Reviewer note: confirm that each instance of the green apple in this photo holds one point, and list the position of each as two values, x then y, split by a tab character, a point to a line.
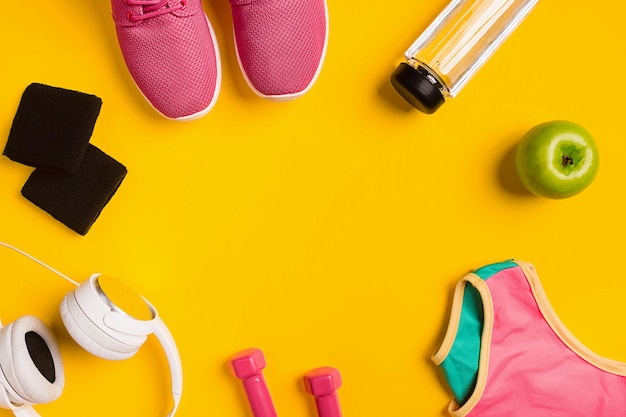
556	159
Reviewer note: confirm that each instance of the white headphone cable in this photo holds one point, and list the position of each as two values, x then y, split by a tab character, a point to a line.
32	258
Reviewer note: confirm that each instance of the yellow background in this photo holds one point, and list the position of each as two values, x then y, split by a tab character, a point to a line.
327	231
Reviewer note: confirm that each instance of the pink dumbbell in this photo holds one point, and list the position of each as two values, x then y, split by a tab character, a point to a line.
323	384
248	366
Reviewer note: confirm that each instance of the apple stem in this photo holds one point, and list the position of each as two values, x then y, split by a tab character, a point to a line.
567	160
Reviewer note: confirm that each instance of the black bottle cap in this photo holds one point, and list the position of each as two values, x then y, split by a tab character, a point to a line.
417	88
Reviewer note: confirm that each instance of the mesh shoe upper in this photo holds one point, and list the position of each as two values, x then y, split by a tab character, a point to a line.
170	51
280	44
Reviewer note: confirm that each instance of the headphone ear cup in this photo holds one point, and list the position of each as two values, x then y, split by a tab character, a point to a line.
30	360
80	335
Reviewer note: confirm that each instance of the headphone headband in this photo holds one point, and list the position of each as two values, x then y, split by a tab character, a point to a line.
168	344
24	410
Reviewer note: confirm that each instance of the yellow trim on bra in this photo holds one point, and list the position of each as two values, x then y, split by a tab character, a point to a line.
455	316
453	325
562	332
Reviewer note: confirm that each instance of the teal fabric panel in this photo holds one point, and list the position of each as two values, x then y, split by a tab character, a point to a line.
490	270
461	365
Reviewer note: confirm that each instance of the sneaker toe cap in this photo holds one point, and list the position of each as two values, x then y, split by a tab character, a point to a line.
174	62
280	44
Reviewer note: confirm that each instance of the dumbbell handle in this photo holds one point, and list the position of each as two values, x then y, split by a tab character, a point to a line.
259	397
328	405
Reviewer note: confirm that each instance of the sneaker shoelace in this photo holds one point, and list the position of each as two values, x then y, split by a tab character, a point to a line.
153	8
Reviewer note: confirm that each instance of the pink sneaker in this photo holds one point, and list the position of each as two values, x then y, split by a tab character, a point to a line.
170	51
280	44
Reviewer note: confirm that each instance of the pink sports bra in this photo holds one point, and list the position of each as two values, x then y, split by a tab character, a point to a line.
506	353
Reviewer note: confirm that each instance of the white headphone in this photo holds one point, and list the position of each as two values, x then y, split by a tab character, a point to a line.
103	315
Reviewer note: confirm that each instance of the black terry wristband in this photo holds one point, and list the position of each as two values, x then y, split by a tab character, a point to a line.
76	200
52	128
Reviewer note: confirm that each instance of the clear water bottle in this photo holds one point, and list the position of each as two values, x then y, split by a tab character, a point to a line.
453	47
